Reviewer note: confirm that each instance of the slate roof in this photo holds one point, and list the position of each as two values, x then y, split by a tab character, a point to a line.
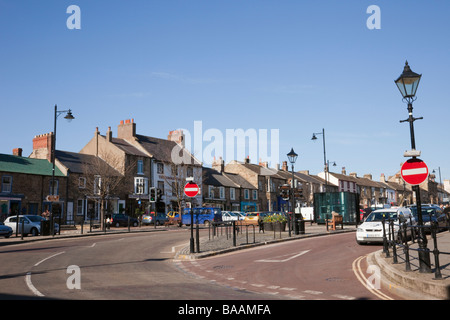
76	162
160	149
11	163
214	178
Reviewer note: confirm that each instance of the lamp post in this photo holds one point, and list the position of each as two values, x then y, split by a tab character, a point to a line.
324	156
292	156
69	116
408	83
440	183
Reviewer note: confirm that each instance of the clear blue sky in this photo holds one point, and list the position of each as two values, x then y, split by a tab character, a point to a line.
297	66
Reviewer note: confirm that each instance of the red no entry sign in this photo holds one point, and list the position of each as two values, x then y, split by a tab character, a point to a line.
191	189
414	171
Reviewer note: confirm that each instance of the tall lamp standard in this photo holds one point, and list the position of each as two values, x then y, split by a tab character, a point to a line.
292	156
324	156
69	116
440	183
408	83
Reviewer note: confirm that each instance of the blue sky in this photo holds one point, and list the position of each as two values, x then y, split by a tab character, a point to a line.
296	66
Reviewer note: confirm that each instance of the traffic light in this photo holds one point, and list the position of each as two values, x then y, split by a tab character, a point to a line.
152	194
159	194
285	191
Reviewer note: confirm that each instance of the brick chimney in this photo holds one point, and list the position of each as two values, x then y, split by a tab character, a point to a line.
42	146
126	129
176	136
17	152
247	159
218	165
344	172
109	135
284	167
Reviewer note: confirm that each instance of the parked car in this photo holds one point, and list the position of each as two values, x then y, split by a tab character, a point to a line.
5	231
121	220
174	218
430	213
371	230
230	216
159	219
252	218
240	214
32	224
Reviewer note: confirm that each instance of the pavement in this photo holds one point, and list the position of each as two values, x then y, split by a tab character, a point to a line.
411	285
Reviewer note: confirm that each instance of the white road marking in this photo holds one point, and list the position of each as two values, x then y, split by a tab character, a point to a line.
30	285
344	297
356	266
56	254
313	292
28	276
283	260
173	248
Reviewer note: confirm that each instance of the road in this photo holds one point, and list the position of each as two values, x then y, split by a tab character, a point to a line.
142	266
120	266
329	267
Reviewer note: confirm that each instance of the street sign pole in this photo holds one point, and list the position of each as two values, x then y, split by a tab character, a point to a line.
191	189
424	252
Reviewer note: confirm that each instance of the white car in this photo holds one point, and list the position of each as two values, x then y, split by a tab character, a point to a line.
371	230
229	216
239	214
32	224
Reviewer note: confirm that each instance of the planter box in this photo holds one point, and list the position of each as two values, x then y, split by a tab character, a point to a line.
274	226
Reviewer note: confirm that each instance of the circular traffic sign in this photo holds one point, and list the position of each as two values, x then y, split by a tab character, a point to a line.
191	189
414	171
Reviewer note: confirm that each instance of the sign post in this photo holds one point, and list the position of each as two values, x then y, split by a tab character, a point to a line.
191	189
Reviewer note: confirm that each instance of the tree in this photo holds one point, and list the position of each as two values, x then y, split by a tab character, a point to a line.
177	180
103	182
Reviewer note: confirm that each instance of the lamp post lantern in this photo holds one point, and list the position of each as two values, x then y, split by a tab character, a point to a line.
408	83
292	156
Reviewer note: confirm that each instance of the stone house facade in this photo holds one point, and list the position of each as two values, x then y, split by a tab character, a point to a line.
26	183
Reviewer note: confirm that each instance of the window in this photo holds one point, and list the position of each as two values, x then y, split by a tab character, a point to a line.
210	192
160	168
255	194
246	194
140	185
161	186
55	187
190	172
81	182
7	184
80	207
140	167
222	192
232	194
97	184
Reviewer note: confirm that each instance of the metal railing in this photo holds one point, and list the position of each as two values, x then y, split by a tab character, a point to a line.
231	229
397	236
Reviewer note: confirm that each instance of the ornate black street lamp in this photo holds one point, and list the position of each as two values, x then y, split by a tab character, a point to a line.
292	156
408	83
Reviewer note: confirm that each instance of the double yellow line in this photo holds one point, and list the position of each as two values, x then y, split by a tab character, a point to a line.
356	266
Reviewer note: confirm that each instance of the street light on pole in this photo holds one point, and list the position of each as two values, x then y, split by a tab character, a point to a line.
440	183
314	137
69	116
292	156
408	83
